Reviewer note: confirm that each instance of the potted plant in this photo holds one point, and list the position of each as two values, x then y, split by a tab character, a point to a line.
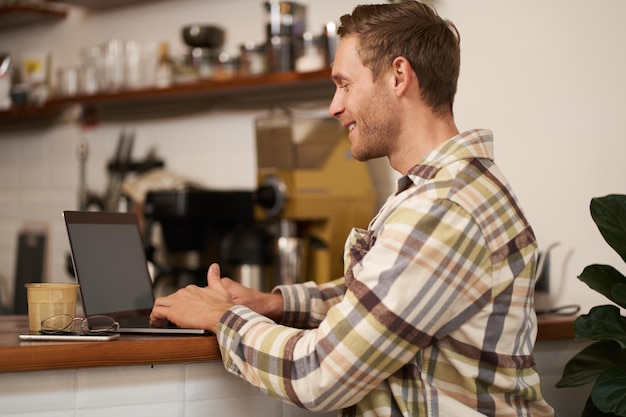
603	362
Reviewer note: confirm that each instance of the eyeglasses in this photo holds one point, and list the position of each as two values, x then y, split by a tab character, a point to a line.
64	324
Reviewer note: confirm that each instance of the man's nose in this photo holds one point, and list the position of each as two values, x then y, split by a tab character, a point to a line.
336	107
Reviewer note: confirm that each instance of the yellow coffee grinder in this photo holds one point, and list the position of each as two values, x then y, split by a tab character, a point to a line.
311	192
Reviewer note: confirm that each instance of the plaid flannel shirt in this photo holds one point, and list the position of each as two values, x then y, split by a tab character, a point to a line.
434	316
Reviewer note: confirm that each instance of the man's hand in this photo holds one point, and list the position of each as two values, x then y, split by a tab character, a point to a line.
195	307
267	304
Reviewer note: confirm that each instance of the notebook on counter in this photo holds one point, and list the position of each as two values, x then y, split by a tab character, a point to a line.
111	267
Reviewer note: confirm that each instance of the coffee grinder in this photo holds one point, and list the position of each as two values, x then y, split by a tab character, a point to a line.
311	192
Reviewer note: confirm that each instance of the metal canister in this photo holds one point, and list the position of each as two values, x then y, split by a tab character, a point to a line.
285	27
253	58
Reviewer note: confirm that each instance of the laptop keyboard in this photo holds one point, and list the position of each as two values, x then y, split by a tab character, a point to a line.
135	322
141	322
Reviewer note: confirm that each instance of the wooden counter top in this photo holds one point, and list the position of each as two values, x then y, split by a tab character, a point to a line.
127	350
555	327
149	349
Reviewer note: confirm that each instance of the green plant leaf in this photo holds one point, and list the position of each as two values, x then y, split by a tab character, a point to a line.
591	410
589	363
609	214
604	361
609	391
618	294
602	323
605	279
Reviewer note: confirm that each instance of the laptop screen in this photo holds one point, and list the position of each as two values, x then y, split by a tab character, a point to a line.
109	261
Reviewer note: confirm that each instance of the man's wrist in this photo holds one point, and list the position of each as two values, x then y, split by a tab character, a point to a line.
274	303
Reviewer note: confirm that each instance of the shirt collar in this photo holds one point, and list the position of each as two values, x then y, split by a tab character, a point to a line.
476	143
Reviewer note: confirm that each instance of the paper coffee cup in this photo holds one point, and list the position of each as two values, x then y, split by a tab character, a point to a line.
49	299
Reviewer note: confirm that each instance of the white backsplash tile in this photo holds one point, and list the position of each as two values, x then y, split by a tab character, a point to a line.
32	158
8	161
63	156
9	206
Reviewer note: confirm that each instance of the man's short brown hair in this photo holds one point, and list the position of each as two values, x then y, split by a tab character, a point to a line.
416	32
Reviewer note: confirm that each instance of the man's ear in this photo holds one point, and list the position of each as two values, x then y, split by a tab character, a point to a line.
403	75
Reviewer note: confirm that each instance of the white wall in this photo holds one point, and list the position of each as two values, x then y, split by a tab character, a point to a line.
547	77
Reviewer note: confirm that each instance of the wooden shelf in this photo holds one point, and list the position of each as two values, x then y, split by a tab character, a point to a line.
249	91
103	4
24	13
19	13
274	89
267	83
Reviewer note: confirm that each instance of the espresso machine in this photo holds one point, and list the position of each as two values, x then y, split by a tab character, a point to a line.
311	193
187	229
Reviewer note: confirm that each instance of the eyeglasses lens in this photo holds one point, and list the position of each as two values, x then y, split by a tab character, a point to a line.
98	324
58	324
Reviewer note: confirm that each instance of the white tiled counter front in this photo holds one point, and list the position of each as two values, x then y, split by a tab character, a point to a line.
169	390
202	389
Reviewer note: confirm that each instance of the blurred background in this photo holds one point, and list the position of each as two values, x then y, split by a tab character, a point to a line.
546	77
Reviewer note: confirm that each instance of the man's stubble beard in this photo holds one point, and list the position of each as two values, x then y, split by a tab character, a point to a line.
377	128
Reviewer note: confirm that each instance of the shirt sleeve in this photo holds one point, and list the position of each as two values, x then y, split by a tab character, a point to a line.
305	305
427	270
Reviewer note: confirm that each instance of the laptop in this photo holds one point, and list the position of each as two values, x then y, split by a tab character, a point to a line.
111	267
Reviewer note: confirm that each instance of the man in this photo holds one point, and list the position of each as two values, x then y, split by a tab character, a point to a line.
435	314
